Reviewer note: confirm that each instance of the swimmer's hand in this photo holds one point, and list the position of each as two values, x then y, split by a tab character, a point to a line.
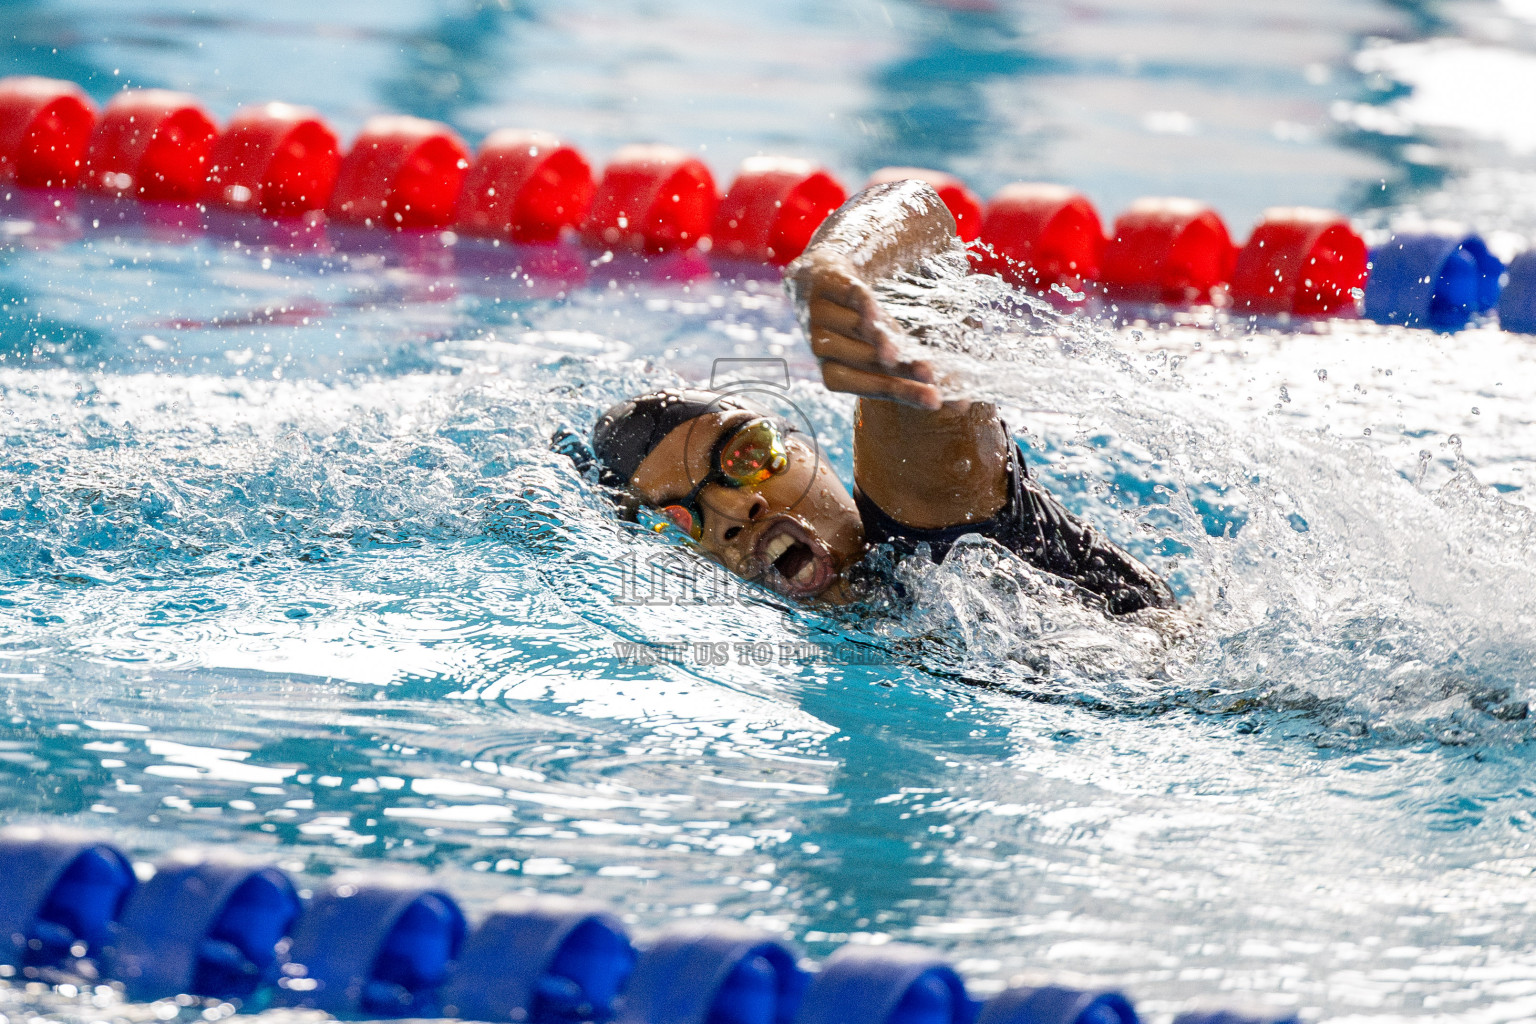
853	338
881	233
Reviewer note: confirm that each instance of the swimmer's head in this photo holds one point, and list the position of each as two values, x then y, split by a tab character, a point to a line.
750	491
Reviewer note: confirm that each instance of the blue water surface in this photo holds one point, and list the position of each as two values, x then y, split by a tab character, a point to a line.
286	563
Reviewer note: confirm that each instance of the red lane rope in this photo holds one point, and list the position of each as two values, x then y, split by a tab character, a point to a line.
405	173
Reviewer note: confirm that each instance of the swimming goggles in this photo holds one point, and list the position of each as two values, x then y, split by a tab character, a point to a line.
741	458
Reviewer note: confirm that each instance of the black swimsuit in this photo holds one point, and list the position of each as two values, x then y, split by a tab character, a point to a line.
1040	530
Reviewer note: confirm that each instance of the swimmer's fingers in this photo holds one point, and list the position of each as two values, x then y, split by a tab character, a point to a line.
867	322
842	311
828	318
865	384
840	349
835	280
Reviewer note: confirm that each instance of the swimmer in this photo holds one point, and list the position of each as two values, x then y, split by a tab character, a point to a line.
759	500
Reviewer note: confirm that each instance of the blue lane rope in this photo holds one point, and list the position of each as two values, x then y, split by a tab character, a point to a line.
63	894
377	947
1435	281
892	984
203	926
543	959
1053	1004
1517	303
367	946
1231	1017
715	972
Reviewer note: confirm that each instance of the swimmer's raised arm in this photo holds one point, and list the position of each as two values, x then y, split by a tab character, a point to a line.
924	462
927	471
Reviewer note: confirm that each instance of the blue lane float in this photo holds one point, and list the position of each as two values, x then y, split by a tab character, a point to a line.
215	927
376	947
1053	1004
542	959
63	893
1435	281
1517	303
715	972
890	984
1233	1017
204	926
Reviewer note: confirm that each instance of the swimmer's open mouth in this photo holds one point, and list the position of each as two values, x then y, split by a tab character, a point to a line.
794	561
796	558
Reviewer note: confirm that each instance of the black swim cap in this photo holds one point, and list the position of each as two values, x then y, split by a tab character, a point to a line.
629	431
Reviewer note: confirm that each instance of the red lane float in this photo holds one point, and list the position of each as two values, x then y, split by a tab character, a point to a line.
1299	260
1041	235
962	202
277	159
1167	250
652	199
403	173
527	186
150	144
45	125
773	208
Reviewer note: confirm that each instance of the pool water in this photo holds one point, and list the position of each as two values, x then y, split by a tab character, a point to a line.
285	561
